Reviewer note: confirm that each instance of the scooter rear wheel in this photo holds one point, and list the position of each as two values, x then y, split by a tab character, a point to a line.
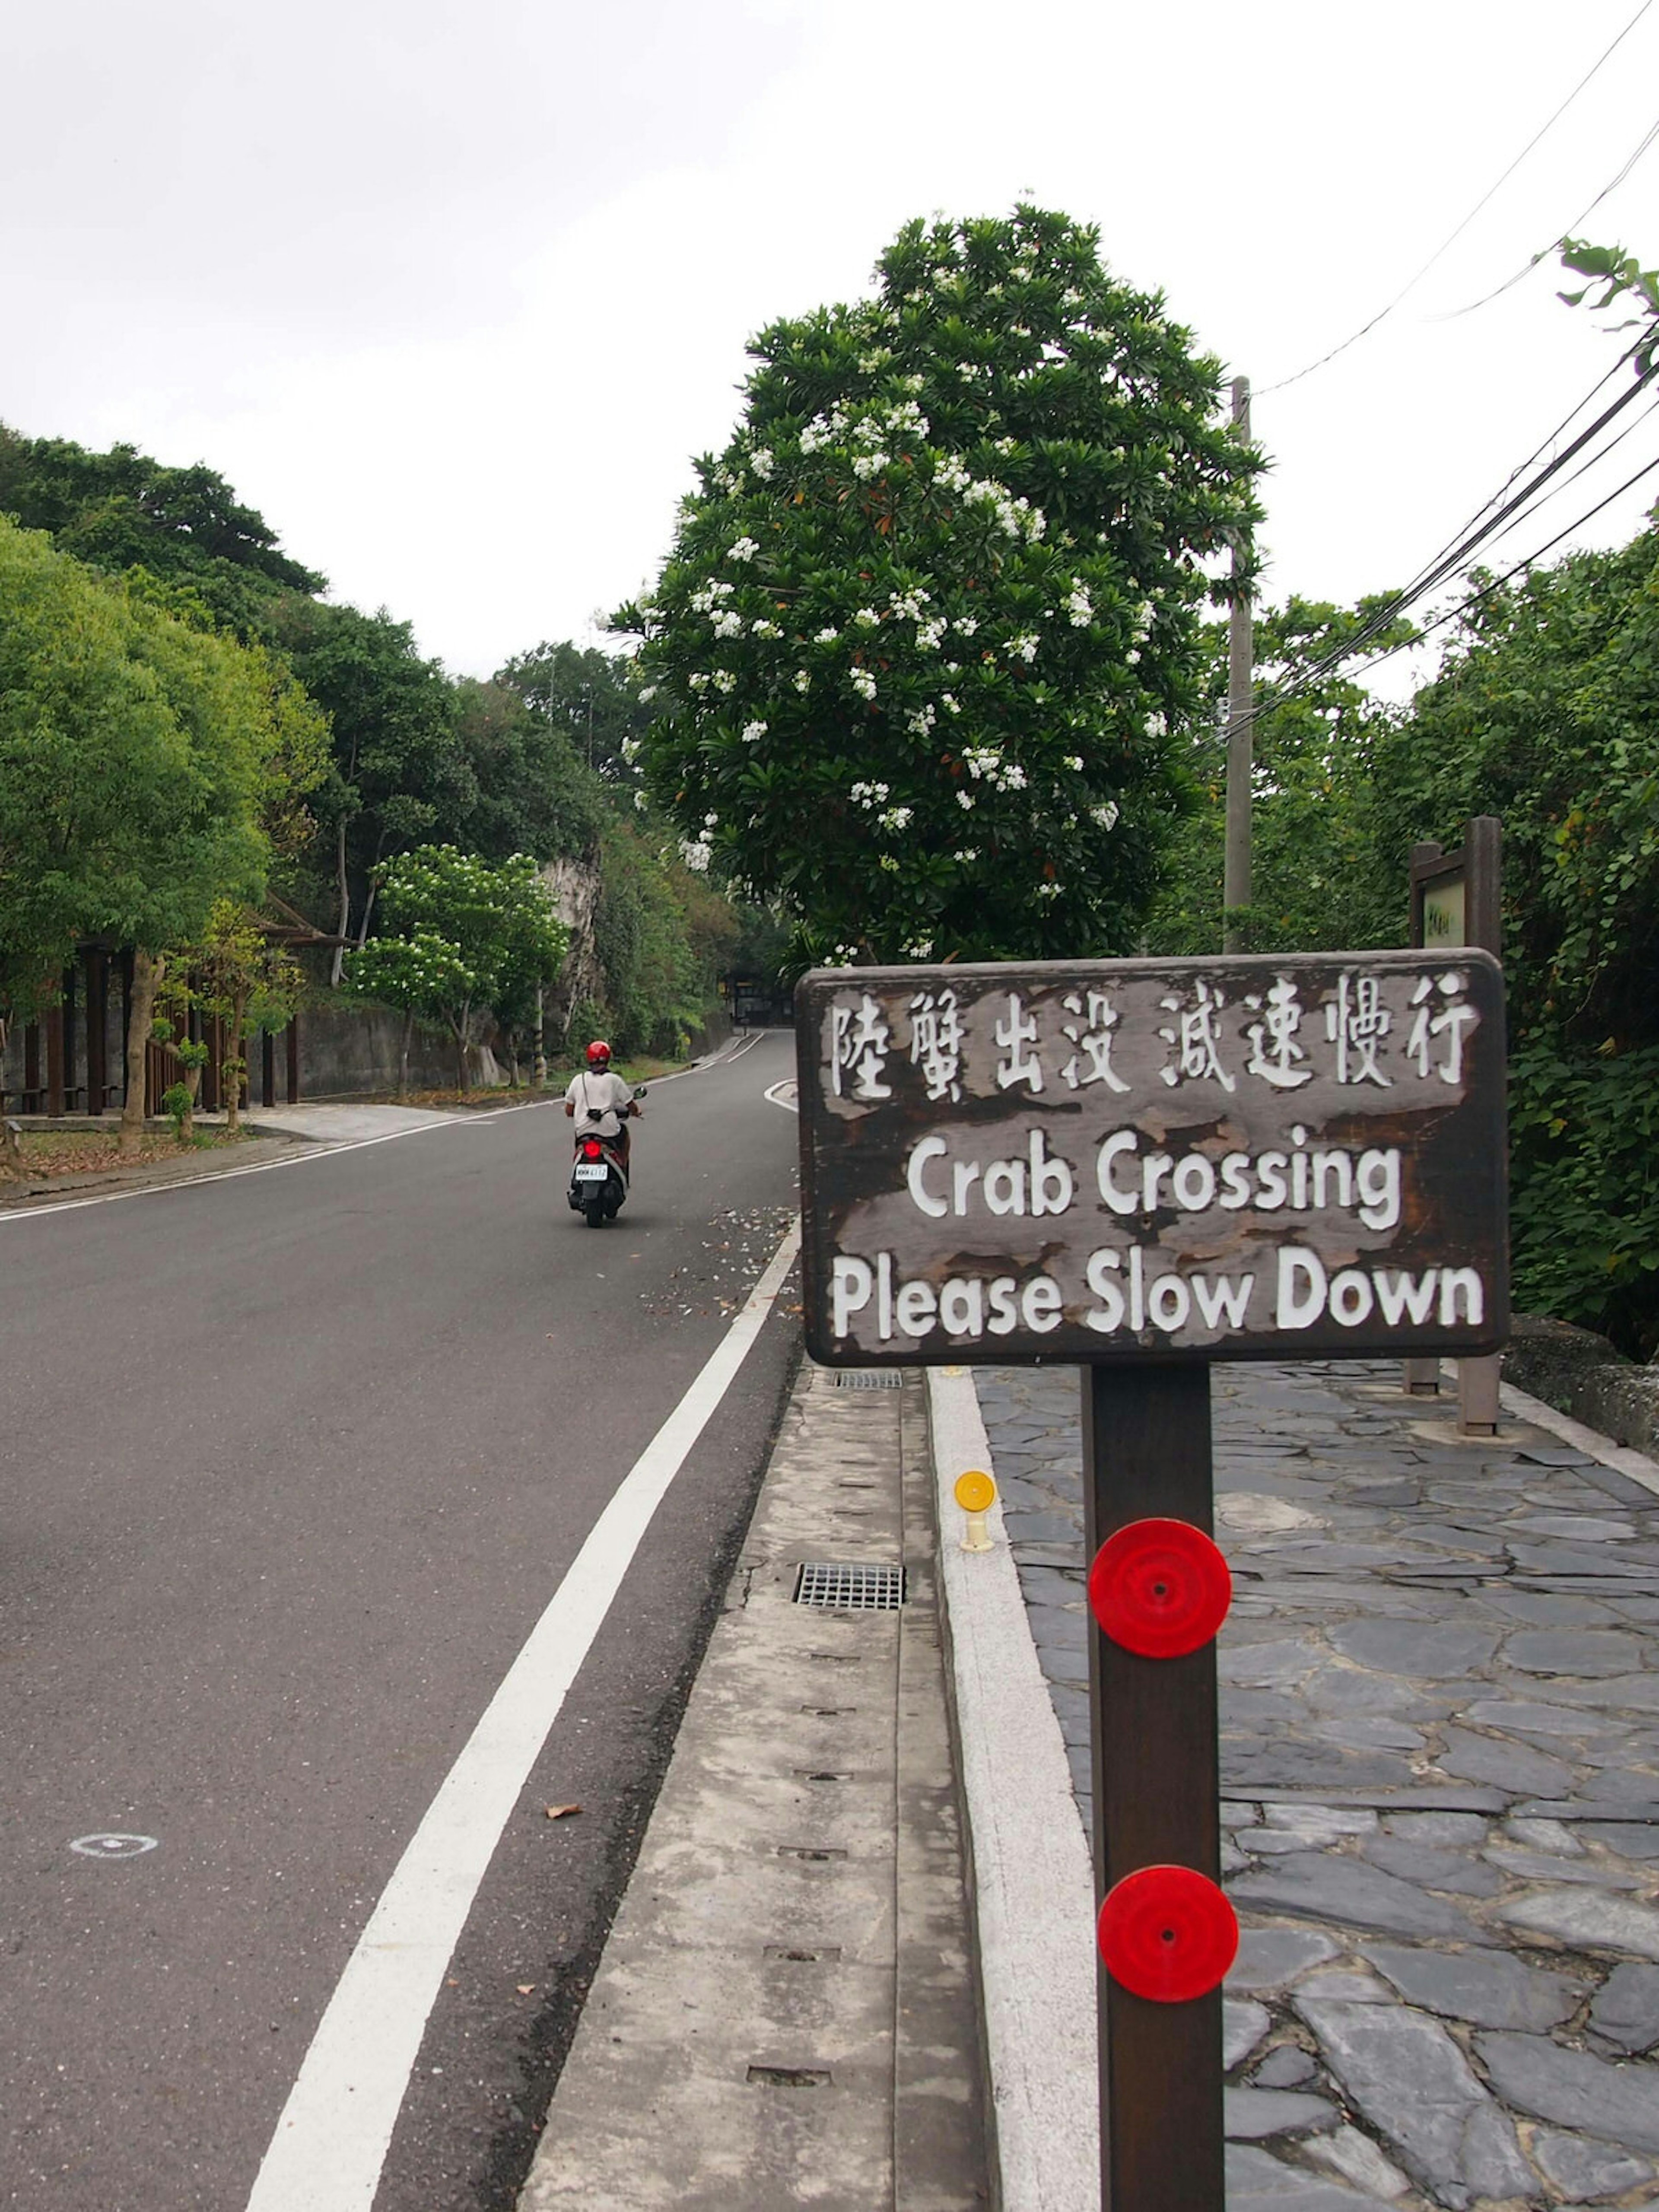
593	1212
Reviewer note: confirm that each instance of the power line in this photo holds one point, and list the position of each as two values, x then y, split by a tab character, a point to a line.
1487	524
1499	582
1447	244
1461	549
1571	230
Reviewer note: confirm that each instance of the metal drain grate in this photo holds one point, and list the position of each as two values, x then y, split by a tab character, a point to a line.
850	1589
864	1378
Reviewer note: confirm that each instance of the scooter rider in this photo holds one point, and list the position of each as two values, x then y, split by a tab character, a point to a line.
600	1103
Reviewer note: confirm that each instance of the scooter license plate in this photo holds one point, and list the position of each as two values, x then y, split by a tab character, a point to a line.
592	1171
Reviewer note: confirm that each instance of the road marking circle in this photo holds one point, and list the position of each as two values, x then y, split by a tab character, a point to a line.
110	1846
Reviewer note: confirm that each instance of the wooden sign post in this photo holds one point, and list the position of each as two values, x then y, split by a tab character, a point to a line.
1457	899
1140	1167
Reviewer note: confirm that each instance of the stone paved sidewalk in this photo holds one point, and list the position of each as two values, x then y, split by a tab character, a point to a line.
1440	1780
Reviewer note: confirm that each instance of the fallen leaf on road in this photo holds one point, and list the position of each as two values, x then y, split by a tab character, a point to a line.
524	1988
558	1812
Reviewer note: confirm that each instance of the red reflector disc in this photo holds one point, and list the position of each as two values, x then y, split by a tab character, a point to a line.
1160	1587
1168	1934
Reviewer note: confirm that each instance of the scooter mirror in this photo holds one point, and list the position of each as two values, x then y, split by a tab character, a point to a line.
639	1091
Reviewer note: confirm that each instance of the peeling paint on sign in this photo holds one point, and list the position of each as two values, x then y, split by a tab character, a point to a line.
1221	1158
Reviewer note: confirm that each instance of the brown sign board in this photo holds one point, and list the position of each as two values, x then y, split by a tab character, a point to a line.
1242	1158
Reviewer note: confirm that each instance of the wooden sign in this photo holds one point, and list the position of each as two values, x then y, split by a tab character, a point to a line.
1262	1157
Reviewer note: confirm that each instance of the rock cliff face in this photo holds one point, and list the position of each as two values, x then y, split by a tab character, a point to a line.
574	884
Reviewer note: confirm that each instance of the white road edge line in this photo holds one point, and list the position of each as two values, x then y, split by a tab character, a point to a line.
331	2140
775	1096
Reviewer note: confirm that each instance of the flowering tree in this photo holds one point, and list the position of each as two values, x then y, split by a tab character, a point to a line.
459	936
929	627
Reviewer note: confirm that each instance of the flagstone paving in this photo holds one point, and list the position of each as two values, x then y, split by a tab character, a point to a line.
1440	1785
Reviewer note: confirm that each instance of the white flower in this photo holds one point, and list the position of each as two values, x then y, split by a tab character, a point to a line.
870	362
949	703
724	680
1074	761
864	684
951	475
921	722
649	694
763	629
866	618
711	821
729	624
697	683
1106	815
826	636
639	801
1133	655
886	862
928	635
1048	890
803	681
896	817
753	733
761	461
967	625
1078	606
1156	727
1006	445
868	794
918	948
965	799
1024	648
866	465
969	854
713	591
630	750
745	549
911	383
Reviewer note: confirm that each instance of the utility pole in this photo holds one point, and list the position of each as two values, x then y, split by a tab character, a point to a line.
1240	666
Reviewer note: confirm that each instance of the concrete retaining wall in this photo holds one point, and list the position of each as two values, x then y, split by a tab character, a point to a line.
1580	1375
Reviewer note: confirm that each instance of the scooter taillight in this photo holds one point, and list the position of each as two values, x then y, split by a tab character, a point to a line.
592	1149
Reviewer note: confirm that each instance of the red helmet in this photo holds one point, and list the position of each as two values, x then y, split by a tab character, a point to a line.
598	1054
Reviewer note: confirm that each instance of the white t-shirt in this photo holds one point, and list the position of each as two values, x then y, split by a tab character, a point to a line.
597	1099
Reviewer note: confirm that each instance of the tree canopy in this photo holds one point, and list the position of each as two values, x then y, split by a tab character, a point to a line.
142	761
930	620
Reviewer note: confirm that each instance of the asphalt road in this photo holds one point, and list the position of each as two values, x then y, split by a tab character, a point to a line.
292	1464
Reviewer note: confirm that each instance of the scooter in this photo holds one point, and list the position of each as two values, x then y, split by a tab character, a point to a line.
599	1180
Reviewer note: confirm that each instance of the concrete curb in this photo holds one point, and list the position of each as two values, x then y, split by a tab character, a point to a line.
1623	1459
1031	1875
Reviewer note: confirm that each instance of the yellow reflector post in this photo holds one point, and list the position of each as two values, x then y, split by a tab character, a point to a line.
976	1491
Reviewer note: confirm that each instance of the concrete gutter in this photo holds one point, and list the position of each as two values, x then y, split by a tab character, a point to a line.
1030	1871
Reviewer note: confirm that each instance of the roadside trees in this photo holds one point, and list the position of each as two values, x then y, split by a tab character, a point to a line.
929	621
1324	872
1546	713
458	936
139	758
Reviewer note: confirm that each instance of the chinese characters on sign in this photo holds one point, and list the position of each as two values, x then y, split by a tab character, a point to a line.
1217	1158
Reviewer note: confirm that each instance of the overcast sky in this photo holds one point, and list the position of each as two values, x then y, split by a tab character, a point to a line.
452	293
